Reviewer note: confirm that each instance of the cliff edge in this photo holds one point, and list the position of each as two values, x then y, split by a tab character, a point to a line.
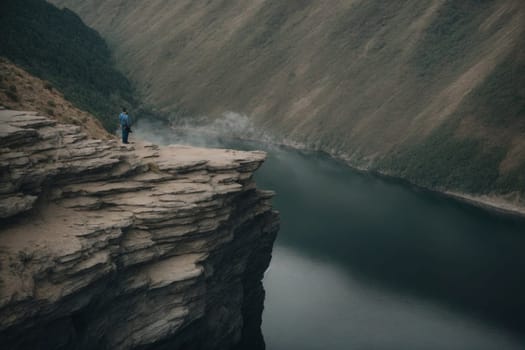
115	246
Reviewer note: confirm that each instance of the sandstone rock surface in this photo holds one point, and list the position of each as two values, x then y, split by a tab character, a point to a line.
104	245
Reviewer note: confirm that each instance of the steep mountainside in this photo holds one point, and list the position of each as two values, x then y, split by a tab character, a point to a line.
429	90
106	246
55	45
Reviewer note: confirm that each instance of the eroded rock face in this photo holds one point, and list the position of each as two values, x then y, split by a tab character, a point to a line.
121	247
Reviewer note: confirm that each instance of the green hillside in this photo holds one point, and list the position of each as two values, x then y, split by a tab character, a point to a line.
57	46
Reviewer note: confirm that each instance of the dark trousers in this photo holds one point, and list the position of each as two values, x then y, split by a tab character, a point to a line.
125	134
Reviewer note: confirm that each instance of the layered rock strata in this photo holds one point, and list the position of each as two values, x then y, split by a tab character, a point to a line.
115	246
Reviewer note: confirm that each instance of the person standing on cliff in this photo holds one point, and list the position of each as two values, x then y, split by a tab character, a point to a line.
125	125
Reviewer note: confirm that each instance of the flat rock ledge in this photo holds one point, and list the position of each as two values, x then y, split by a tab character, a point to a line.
110	246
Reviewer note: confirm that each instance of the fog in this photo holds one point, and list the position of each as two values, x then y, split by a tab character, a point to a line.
203	131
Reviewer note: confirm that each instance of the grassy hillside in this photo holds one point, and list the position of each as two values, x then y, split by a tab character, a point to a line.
57	46
480	148
429	90
21	91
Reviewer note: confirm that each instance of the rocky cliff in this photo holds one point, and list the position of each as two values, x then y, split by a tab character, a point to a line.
428	90
122	247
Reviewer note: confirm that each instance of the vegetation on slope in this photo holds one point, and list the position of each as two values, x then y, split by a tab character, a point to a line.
57	46
444	161
444	40
470	152
21	91
500	101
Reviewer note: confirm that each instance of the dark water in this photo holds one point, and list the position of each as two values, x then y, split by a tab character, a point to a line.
364	263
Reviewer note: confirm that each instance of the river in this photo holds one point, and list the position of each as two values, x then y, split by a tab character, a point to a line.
367	263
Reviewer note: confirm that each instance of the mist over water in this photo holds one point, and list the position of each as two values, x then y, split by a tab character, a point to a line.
364	263
204	132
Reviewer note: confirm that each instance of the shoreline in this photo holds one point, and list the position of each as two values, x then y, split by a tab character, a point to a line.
493	204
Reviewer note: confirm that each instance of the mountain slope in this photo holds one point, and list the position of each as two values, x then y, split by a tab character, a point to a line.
20	90
428	90
55	45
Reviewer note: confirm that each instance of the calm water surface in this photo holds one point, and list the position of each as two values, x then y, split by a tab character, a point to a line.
363	263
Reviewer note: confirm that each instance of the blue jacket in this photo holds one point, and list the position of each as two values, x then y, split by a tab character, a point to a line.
124	119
